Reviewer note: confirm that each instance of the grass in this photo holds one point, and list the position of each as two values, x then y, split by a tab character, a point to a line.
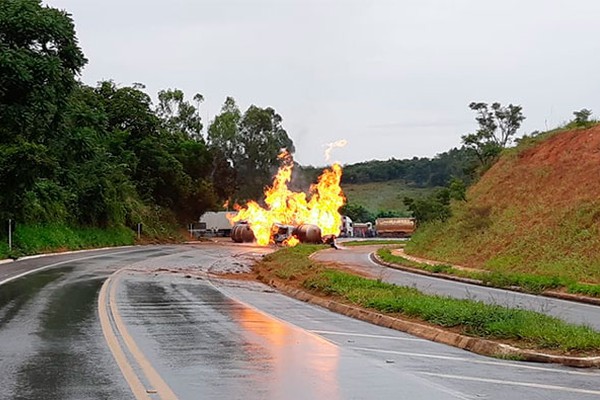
291	263
34	239
386	255
390	195
528	328
530	283
368	242
585	289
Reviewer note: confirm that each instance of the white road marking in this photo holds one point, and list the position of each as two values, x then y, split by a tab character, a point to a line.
71	252
479	361
514	383
12	278
373	262
367	335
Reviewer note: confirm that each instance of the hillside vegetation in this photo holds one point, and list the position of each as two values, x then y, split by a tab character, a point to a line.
537	210
383	196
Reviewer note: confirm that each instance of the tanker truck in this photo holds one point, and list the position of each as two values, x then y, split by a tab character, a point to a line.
395	227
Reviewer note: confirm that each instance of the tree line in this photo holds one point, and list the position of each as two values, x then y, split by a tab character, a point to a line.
105	155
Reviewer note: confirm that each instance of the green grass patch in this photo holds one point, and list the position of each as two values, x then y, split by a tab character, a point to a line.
527	282
470	317
291	263
34	239
367	242
386	255
585	289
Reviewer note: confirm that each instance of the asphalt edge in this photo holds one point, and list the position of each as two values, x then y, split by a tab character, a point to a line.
440	275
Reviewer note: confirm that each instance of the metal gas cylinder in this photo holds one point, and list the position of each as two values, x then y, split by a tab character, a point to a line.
307	233
241	233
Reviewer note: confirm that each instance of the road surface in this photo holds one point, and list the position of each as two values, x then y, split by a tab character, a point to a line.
189	335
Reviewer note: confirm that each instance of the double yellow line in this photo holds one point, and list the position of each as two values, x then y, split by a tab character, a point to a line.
113	328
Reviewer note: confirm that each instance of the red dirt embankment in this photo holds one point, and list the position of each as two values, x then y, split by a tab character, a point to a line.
537	210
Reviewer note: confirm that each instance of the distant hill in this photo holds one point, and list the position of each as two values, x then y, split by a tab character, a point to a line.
417	171
536	210
382	196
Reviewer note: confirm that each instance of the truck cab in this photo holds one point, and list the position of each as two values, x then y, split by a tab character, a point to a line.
347	228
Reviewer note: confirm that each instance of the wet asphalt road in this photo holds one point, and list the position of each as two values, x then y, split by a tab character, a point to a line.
229	339
51	345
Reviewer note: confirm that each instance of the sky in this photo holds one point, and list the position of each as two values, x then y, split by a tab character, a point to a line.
392	78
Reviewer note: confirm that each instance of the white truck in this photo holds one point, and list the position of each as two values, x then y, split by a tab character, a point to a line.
347	228
215	223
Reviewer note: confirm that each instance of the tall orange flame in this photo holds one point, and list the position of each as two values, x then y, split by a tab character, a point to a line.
284	206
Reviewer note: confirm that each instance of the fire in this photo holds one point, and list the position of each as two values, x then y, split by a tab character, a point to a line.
291	241
284	206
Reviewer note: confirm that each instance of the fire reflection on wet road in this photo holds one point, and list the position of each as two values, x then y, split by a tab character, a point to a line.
207	345
213	347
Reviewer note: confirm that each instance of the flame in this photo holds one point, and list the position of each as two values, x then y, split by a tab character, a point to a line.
284	206
291	241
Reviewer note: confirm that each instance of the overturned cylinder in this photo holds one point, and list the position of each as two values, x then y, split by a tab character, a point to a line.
241	233
307	233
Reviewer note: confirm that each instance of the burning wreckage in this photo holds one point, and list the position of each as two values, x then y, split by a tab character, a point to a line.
289	217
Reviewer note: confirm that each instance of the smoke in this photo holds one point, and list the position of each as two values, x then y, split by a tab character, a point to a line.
331	146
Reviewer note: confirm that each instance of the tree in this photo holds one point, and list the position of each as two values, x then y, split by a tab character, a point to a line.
497	127
39	60
582	118
250	144
261	138
223	143
357	213
435	207
178	116
457	189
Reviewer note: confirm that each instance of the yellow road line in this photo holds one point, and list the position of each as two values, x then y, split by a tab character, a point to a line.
158	384
138	389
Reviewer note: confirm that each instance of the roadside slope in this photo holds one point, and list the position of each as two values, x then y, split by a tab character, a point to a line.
537	210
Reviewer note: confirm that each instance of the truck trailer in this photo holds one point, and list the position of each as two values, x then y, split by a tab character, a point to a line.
216	223
395	227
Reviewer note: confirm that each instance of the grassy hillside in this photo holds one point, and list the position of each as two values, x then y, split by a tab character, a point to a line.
377	196
537	210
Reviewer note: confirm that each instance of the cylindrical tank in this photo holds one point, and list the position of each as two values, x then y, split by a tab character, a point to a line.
307	233
241	233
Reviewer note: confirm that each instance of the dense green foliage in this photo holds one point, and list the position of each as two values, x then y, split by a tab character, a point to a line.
32	239
418	172
106	156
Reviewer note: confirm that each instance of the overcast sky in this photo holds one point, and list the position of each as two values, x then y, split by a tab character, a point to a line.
393	78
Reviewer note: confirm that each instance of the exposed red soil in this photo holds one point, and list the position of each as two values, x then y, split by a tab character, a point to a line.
537	210
563	169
